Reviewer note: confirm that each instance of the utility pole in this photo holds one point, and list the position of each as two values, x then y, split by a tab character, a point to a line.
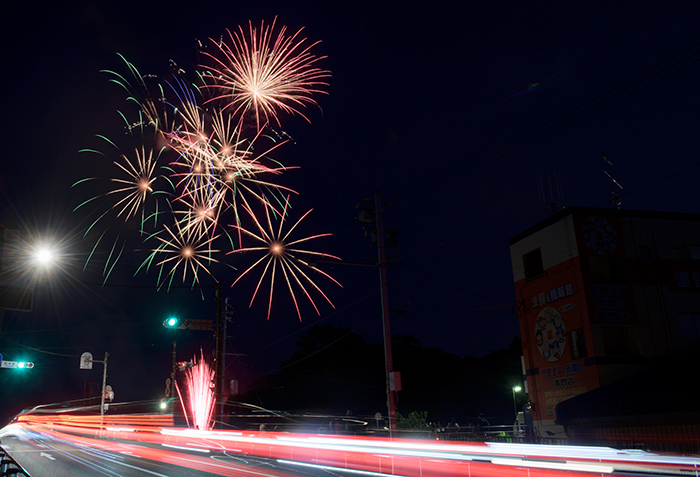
388	357
220	355
86	363
172	378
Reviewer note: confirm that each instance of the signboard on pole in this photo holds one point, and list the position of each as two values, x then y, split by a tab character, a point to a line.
86	360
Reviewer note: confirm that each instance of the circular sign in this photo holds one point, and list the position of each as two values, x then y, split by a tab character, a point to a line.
550	334
599	235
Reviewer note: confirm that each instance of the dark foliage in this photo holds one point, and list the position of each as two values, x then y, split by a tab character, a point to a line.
334	371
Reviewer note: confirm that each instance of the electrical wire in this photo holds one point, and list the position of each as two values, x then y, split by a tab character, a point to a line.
560	122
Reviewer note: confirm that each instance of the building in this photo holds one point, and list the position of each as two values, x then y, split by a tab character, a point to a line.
603	294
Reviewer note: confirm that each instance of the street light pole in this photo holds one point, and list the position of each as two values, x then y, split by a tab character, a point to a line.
515	406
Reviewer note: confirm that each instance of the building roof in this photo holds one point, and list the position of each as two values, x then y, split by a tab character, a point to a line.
575	210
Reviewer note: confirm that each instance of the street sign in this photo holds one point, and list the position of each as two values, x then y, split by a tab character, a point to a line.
16	364
0	357
86	360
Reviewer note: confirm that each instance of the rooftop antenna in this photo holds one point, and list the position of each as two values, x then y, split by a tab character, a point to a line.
554	205
615	196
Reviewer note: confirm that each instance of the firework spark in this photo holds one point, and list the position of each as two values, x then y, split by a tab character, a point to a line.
135	184
263	73
180	248
140	94
283	254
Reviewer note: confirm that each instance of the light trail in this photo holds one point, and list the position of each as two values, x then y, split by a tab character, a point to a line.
377	456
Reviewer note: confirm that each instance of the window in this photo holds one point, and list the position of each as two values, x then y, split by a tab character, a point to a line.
695	252
645	252
676	253
606	269
620	341
690	325
578	344
532	262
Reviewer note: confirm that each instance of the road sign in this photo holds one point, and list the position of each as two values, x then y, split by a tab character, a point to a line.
16	364
0	357
86	360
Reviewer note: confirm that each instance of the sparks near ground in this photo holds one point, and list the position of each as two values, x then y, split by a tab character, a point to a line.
204	153
199	396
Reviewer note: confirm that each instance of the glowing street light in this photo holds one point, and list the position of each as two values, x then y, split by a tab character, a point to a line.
44	256
515	406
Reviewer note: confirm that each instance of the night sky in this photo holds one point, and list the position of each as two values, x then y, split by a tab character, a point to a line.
456	112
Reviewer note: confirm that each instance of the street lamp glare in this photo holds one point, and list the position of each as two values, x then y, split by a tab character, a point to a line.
517	388
44	256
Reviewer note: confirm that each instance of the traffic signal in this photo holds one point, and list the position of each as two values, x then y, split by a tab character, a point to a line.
175	322
25	365
183	365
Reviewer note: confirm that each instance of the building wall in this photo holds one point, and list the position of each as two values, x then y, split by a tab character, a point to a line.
617	289
666	252
553	320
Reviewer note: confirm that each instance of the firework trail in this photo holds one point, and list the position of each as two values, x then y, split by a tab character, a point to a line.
200	395
283	254
133	188
263	73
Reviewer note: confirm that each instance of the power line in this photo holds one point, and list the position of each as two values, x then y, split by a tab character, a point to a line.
507	302
560	121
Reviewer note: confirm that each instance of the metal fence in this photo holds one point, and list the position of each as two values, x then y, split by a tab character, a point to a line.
675	441
9	466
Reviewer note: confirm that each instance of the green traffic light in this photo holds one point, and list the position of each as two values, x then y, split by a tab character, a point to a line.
172	321
24	365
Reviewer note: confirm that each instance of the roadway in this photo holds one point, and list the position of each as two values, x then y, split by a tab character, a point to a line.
44	456
58	445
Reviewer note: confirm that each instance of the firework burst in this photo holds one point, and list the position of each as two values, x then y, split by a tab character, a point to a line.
283	254
180	249
212	166
263	73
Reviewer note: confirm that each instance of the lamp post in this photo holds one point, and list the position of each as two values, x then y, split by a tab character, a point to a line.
515	406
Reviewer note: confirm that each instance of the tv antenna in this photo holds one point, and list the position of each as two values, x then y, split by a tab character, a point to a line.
554	205
615	196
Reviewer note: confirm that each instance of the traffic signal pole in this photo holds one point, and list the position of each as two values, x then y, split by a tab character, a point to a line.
220	355
104	386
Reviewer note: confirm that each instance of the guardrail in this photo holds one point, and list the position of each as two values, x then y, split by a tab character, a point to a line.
9	466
